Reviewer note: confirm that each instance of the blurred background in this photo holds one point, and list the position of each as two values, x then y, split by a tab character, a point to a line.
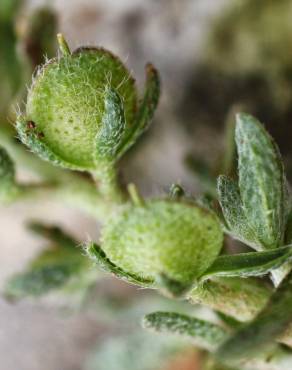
215	57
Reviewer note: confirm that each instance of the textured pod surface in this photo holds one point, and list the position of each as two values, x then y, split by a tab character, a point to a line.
67	102
179	240
239	298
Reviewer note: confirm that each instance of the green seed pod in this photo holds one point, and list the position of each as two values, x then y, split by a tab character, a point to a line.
83	106
162	240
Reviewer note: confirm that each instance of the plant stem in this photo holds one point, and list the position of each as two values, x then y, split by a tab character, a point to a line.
106	179
63	185
79	193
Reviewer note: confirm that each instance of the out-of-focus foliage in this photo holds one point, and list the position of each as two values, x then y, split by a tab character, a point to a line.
8	9
8	187
246	60
252	36
202	333
60	266
10	65
39	35
138	350
22	48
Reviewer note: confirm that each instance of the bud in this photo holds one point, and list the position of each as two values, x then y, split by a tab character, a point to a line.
84	109
163	238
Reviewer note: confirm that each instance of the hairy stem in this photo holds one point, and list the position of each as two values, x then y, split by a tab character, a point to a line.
107	182
79	193
62	185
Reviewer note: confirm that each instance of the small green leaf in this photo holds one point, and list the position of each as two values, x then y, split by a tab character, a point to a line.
146	109
41	280
203	334
55	268
7	171
113	126
95	253
232	208
261	181
262	331
249	264
8	187
54	234
51	270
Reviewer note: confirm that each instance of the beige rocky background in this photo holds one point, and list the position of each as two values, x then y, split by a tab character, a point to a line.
35	335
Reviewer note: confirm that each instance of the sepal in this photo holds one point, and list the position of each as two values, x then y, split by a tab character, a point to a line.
95	253
146	110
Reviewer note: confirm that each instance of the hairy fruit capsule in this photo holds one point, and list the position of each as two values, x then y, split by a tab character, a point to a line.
84	106
163	238
67	102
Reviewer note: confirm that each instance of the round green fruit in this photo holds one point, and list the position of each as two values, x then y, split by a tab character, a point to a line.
66	103
176	239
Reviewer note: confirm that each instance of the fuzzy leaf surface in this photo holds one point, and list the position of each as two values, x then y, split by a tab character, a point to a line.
249	264
146	110
113	126
261	181
51	270
203	333
262	331
232	208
